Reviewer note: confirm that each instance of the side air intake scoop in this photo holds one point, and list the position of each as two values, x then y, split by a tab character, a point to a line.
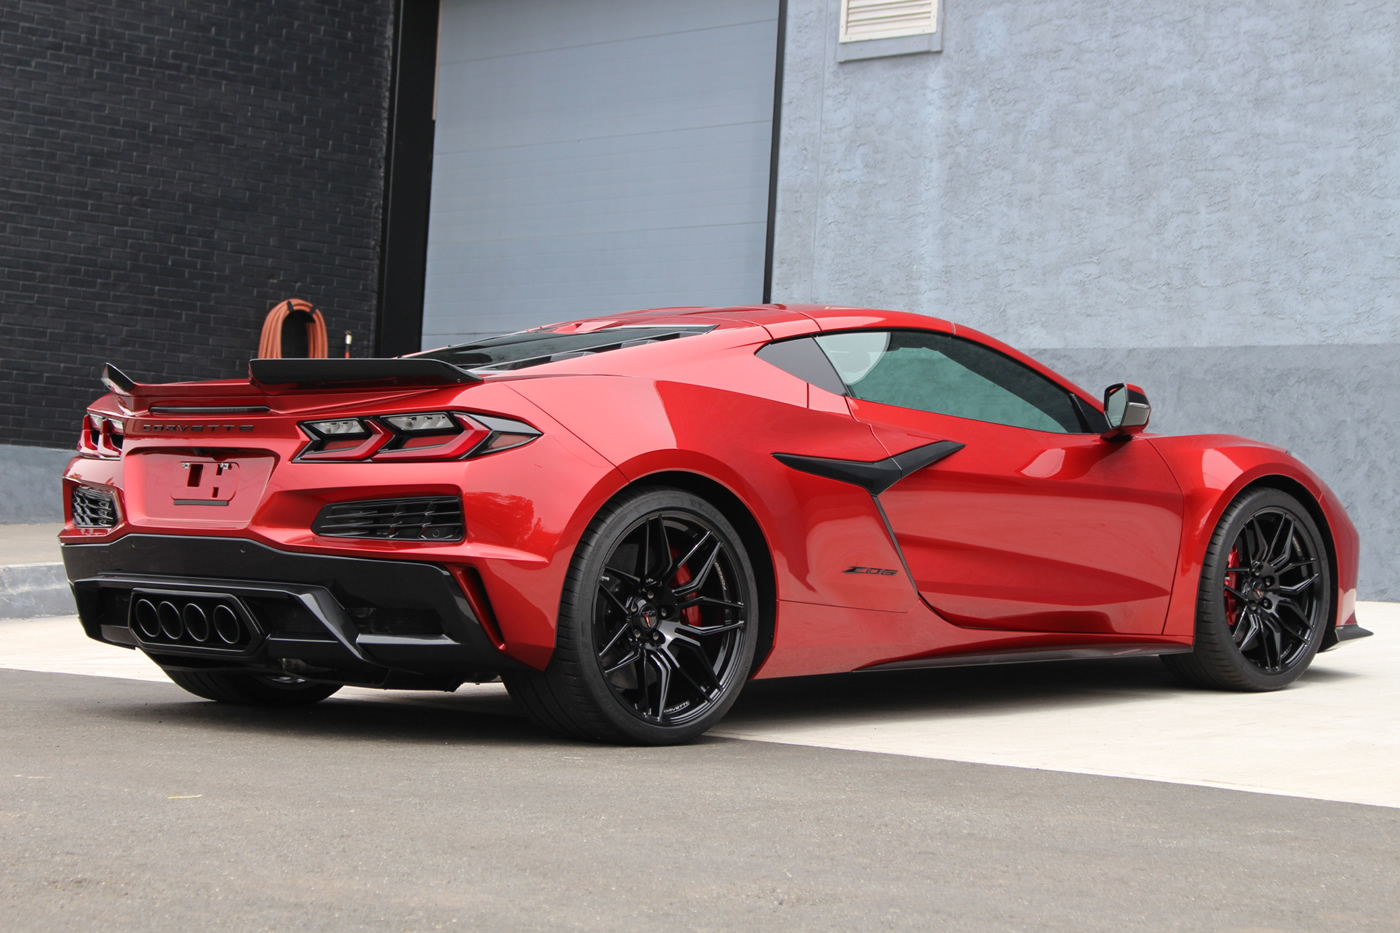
338	374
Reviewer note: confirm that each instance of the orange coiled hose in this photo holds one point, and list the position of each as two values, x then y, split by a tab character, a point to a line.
270	346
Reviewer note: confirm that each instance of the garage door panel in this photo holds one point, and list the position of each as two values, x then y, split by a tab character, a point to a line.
574	276
495	29
588	187
595	156
657	83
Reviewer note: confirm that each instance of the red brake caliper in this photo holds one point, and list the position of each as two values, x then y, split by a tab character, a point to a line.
683	576
1232	580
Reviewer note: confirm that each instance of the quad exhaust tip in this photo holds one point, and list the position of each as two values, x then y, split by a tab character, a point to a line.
200	621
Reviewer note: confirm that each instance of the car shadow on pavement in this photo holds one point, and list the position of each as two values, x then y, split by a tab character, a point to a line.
984	690
485	715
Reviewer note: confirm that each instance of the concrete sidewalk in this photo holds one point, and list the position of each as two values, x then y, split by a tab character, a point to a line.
32	582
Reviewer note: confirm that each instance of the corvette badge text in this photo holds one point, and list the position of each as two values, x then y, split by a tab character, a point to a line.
877	571
155	428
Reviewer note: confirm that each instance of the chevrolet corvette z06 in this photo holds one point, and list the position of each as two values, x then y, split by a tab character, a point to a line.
626	518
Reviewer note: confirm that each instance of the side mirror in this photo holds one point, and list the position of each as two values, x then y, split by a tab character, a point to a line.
1127	410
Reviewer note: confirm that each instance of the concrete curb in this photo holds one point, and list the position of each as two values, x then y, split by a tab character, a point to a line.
29	591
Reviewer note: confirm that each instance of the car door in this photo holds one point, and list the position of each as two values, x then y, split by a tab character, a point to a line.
1037	523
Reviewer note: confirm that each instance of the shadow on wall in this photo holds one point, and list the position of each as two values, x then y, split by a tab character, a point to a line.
31	487
1331	406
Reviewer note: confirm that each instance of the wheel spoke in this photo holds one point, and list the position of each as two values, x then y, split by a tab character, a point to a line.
1281	540
699	631
1297	588
681	669
703	667
694	601
629	658
644	554
1247	631
1292	606
643	688
1274	641
612	642
1234	592
621	606
1253	539
680	562
635	581
699	579
1300	633
665	549
663	684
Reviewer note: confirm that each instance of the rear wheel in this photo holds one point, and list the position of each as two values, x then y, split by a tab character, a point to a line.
269	690
657	625
1265	593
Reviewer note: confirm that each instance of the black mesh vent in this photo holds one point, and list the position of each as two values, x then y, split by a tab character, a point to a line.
429	519
93	508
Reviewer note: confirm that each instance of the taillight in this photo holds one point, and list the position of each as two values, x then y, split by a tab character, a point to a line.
101	436
431	435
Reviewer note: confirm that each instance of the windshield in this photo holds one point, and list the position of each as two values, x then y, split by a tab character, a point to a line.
532	348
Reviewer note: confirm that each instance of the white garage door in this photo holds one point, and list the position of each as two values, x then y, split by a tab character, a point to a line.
597	155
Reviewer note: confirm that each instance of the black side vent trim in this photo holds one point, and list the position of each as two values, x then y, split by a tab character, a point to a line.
93	508
877	476
435	518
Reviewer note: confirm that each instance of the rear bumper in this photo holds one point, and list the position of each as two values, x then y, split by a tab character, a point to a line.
392	623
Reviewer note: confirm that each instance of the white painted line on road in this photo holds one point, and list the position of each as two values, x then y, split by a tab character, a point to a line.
1335	735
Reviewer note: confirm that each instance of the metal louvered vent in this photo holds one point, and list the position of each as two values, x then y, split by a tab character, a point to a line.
438	518
93	508
883	19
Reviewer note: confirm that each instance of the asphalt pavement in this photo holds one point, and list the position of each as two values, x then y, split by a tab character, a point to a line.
129	805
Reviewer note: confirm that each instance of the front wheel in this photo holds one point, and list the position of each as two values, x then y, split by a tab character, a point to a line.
657	625
1265	594
269	690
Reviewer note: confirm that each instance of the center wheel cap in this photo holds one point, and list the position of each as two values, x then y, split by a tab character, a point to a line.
647	616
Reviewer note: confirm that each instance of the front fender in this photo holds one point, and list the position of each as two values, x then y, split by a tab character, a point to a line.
1213	470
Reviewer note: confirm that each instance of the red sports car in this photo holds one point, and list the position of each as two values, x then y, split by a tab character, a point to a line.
626	518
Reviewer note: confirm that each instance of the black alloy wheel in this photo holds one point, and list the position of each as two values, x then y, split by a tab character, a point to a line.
279	691
657	627
1264	600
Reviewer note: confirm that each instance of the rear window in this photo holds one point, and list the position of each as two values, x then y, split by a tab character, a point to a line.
533	348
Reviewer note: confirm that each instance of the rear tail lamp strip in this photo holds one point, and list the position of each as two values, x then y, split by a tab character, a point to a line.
101	436
415	436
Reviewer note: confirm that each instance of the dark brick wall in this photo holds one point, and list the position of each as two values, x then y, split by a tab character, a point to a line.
169	169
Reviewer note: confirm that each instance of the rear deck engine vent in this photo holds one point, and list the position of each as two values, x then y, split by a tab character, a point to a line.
93	508
438	518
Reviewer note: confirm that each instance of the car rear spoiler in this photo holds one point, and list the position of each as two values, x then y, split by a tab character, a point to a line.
295	374
345	374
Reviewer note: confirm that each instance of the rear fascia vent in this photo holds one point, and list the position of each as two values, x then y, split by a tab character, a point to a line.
434	518
94	508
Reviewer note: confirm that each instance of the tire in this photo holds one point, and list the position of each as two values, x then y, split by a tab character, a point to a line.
657	625
266	690
1264	600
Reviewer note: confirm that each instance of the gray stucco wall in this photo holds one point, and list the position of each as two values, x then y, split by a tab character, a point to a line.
31	484
1200	198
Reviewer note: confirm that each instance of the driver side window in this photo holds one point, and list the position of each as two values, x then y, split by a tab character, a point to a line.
948	375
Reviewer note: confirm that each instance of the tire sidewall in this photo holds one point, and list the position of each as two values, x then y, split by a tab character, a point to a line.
576	611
